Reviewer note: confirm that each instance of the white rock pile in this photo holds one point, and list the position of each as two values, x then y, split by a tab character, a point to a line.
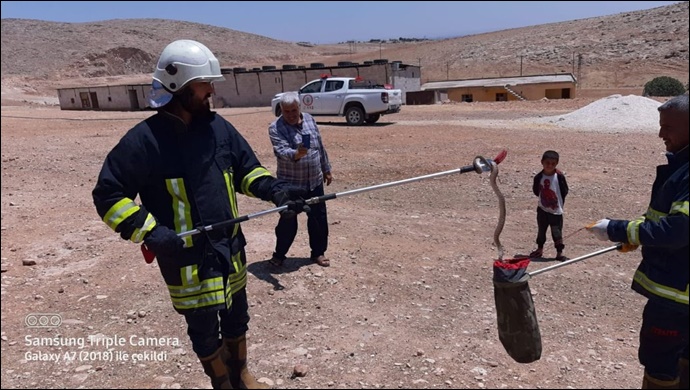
612	114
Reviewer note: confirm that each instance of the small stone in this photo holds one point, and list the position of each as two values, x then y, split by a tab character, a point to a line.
300	370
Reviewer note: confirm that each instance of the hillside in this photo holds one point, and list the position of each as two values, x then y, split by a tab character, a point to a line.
618	51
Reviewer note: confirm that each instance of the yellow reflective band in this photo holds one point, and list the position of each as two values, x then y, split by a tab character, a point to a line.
654	215
196	294
234	278
234	288
661	290
679	208
181	208
236	284
119	212
233	200
208	299
250	177
139	233
634	232
207	285
189	275
237	262
228	301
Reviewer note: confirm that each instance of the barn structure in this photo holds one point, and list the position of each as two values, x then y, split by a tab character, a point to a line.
127	97
247	87
551	86
256	87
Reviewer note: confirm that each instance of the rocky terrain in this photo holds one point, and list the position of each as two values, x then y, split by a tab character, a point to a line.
408	300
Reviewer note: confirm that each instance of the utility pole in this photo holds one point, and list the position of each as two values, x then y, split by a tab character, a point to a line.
380	43
447	70
579	69
521	64
573	62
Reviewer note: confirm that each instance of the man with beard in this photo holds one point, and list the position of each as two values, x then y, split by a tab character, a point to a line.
186	163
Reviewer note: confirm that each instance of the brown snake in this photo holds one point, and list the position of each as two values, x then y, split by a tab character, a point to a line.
501	208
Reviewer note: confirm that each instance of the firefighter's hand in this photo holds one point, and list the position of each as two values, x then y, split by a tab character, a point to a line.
164	241
283	198
599	229
627	248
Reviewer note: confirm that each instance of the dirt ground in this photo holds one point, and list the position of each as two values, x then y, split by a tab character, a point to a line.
408	299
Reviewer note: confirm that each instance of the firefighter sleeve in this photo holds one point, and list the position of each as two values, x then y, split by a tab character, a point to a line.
119	181
657	228
251	178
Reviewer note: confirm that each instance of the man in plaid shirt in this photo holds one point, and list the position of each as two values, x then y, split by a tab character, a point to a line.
303	162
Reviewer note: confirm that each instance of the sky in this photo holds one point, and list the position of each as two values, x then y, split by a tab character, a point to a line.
323	22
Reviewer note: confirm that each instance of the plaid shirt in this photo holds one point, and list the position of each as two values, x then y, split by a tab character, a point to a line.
308	170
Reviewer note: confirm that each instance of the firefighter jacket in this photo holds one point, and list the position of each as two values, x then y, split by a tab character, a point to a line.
663	233
185	176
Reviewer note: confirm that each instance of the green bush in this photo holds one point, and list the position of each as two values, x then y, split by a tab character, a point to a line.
664	86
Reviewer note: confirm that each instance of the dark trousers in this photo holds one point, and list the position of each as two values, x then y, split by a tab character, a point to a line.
544	220
204	329
663	340
317	226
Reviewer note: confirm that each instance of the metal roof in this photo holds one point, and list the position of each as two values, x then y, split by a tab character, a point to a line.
500	82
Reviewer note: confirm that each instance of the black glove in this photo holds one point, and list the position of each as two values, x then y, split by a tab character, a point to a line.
297	195
163	240
291	199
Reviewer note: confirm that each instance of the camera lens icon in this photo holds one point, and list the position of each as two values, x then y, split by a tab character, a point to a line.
43	320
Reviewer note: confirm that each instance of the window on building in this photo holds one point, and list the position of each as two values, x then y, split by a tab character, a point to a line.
467	98
501	97
110	99
72	100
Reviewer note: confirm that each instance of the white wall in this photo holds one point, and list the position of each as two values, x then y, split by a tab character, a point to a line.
108	98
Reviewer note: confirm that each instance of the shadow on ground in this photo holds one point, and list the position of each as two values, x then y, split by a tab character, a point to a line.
265	271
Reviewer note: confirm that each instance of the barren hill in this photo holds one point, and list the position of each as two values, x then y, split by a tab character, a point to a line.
618	51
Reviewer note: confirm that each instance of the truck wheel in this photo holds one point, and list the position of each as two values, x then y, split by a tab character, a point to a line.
354	116
373	118
278	111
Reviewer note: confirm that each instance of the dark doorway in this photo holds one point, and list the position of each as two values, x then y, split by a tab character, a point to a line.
84	97
565	93
133	99
94	101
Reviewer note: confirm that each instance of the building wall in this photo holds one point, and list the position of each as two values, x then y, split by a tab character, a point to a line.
257	88
528	91
407	80
105	98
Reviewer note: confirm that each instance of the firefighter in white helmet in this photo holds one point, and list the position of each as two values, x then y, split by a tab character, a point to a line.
186	163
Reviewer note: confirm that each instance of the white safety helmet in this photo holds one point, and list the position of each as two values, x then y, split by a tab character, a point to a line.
181	62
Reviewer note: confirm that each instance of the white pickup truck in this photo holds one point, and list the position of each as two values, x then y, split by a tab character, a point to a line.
358	101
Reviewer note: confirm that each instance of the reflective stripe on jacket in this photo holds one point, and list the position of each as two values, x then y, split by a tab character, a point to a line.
663	234
185	176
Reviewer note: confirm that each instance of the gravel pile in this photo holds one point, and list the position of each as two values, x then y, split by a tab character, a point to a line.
612	114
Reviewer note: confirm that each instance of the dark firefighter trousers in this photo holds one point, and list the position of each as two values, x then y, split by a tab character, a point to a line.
204	329
663	340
